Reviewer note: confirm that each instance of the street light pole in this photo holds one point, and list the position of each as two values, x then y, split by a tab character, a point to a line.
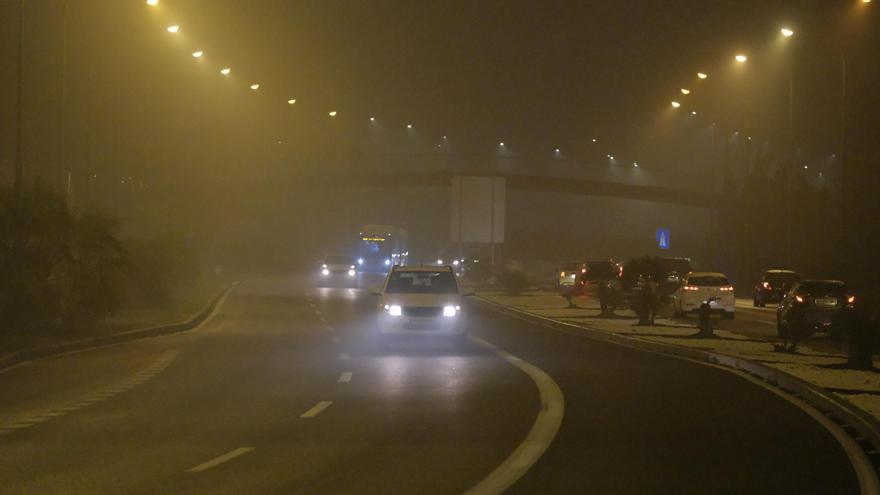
19	165
789	247
844	234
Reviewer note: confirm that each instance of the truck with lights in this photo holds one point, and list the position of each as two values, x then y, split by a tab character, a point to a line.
380	247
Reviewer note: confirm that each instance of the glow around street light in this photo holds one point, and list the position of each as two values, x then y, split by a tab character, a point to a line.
173	28
786	32
198	54
675	104
409	126
225	71
332	114
255	87
685	91
291	101
741	58
702	75
152	3
501	144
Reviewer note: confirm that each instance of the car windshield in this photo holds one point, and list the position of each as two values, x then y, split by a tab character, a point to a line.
708	281
836	289
338	259
422	282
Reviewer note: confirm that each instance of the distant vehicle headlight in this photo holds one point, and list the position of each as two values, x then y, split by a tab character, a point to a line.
451	310
360	261
351	267
388	262
439	261
394	310
351	273
325	272
324	265
455	262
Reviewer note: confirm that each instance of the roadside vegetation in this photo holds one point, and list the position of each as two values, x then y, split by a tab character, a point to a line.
68	275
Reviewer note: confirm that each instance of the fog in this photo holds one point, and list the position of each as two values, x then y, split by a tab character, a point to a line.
119	117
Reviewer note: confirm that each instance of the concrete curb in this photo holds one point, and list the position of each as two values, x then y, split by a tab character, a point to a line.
864	428
24	356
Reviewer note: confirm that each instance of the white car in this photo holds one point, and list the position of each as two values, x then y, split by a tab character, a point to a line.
338	267
421	301
698	287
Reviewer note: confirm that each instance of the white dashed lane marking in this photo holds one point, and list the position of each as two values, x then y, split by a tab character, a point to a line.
344	356
220	460
345	377
317	409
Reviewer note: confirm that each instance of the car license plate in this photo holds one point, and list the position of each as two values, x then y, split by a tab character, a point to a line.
826	302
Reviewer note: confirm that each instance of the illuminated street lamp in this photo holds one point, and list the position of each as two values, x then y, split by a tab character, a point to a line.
173	28
291	101
685	91
786	32
152	3
332	114
255	87
409	126
741	58
501	144
198	54
702	75
225	71
675	104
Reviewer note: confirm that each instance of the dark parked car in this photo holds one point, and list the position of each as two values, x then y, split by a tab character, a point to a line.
595	272
773	287
811	306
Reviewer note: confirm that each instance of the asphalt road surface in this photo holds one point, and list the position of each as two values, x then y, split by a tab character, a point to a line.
283	391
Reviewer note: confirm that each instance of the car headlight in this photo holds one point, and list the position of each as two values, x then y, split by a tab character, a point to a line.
351	273
451	310
325	272
360	261
324	265
387	262
393	309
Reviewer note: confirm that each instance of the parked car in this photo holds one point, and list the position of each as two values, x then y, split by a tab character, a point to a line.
594	272
677	269
812	305
567	274
698	287
773	286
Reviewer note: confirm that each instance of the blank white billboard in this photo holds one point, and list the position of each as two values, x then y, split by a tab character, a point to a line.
477	209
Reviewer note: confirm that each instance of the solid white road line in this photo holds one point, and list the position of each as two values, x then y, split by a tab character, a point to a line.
317	409
541	435
345	377
220	460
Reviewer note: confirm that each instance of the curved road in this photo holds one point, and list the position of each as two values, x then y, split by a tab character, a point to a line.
283	391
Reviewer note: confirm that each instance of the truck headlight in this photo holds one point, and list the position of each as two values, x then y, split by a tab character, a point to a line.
393	309
451	310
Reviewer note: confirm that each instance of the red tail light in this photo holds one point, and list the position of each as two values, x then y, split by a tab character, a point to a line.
727	288
766	285
851	300
561	274
800	299
583	270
